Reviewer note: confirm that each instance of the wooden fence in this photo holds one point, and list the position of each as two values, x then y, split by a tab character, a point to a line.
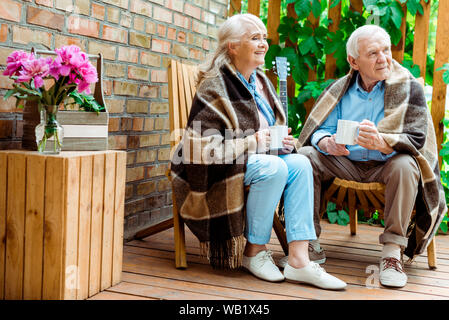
420	45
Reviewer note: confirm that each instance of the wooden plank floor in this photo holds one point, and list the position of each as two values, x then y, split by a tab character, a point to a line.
149	272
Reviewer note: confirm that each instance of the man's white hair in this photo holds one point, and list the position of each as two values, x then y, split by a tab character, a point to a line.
363	32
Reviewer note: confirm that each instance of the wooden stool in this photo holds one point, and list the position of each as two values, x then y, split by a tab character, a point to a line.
367	196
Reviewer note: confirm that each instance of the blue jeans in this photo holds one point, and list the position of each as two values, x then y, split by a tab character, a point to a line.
268	177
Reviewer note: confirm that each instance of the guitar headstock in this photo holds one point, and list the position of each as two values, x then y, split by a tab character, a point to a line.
281	67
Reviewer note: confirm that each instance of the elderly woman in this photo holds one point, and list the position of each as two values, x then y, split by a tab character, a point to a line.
225	147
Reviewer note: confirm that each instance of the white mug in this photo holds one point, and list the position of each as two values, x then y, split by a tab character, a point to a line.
347	132
277	134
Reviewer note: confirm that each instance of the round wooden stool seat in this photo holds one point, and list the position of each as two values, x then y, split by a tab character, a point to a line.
355	196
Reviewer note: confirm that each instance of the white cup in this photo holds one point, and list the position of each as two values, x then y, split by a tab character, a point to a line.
277	134
347	132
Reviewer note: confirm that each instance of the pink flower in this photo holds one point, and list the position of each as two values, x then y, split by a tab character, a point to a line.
74	63
36	69
63	63
15	62
89	75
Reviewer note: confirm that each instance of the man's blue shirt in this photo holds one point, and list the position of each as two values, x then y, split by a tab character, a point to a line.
356	105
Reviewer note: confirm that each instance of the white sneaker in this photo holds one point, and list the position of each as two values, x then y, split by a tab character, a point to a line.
392	273
316	254
263	267
315	275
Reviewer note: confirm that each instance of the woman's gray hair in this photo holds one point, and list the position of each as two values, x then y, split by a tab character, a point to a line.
231	31
363	32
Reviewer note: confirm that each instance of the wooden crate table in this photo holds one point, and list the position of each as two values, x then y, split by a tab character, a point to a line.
61	223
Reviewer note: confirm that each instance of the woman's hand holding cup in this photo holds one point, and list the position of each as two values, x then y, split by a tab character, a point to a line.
288	142
263	140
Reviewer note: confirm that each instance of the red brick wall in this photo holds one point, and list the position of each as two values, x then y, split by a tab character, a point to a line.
137	38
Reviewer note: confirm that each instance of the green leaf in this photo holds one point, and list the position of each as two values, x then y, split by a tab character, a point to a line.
300	73
307	46
413	68
332	216
444	152
86	102
331	206
272	53
396	15
316	8
413	6
303	96
18	105
303	8
8	94
334	3
290	54
444	227
343	218
446	77
309	61
395	35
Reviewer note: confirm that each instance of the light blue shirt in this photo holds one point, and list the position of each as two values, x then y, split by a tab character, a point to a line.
356	105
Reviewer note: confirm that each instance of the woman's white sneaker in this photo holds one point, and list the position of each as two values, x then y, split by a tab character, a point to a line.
262	266
315	275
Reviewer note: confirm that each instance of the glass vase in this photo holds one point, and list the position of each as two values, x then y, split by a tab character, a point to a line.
49	133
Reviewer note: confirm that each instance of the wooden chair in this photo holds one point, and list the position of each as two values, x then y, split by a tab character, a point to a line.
181	86
367	196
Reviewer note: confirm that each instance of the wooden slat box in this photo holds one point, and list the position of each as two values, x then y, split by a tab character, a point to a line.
61	223
86	131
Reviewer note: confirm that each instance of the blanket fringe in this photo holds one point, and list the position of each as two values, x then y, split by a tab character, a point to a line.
224	254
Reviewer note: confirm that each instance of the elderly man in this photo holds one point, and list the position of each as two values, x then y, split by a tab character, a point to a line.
396	145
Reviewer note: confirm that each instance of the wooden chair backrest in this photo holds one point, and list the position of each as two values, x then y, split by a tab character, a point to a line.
181	90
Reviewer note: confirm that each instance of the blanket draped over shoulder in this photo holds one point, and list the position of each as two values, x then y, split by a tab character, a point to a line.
208	165
408	128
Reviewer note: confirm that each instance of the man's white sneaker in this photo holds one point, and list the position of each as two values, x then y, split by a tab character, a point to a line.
392	273
263	267
315	275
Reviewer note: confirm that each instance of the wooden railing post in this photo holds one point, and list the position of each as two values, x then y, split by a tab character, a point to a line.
334	14
273	21
441	57
398	50
235	6
421	38
356	5
291	84
254	7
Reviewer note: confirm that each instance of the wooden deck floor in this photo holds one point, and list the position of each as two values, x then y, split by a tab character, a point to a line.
149	272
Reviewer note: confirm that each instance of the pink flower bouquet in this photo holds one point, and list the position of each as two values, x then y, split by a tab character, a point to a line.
70	70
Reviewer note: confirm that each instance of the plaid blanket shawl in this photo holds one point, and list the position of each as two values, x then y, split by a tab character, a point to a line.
208	165
408	128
